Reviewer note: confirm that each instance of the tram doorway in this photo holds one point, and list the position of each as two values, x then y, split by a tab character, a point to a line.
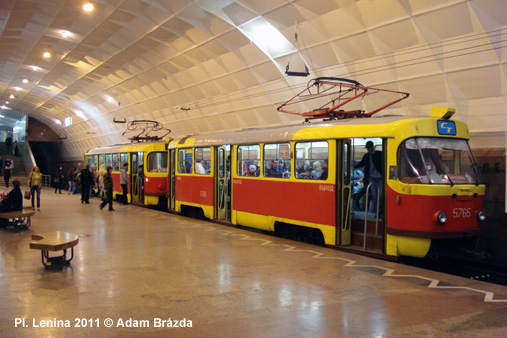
223	183
137	175
368	193
344	190
172	180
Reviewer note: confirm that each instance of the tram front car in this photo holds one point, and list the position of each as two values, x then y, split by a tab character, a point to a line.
434	192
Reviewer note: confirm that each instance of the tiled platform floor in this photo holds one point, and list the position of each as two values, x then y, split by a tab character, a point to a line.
149	266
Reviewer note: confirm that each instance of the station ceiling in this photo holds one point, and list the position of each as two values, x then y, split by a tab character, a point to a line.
212	65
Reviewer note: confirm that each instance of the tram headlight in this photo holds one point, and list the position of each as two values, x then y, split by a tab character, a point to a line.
481	216
440	217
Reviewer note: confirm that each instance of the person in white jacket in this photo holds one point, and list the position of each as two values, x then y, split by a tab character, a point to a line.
124	182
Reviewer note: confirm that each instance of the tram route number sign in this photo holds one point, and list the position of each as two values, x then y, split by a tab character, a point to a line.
446	127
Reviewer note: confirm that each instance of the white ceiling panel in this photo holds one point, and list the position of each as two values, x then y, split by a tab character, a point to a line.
157	57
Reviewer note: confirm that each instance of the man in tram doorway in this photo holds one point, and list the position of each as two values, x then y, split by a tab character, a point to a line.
124	182
372	164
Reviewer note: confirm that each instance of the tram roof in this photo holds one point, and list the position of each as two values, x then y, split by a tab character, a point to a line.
132	146
346	128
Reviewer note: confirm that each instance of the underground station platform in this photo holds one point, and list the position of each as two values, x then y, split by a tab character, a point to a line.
138	272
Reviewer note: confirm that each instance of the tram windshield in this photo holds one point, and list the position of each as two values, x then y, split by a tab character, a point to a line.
434	160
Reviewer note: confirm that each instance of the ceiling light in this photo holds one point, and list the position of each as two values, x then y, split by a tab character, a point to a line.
12	97
6	102
2	116
17	89
267	37
110	100
25	80
35	68
65	34
58	122
88	7
80	114
4	107
47	54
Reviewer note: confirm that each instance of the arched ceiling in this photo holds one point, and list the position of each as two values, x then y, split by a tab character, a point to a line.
207	65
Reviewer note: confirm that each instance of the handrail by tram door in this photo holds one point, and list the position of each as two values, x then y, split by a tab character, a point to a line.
366	207
222	177
172	179
135	187
345	191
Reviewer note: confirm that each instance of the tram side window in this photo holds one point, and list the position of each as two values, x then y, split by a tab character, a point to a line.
116	163
89	160
312	160
124	159
185	161
248	160
93	162
202	161
157	162
277	160
108	161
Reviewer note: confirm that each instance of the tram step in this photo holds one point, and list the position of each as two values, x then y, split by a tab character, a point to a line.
373	242
358	226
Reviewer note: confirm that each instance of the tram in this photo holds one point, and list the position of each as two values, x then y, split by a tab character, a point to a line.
147	168
429	189
313	181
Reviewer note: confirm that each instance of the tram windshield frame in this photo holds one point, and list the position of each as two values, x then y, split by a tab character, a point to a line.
434	160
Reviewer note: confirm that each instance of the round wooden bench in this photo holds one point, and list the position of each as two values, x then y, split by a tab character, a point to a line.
54	241
20	219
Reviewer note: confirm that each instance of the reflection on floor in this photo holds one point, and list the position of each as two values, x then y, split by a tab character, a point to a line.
140	267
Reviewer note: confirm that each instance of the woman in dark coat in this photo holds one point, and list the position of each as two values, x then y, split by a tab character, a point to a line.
108	187
58	179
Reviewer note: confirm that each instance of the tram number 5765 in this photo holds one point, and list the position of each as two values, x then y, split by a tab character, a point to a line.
462	212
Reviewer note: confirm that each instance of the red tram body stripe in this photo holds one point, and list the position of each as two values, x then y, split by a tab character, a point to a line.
155	185
415	212
195	189
307	202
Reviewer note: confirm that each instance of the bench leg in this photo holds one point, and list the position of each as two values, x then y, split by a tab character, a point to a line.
56	262
20	223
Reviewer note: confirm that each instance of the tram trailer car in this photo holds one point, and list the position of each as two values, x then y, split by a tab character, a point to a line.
147	169
272	179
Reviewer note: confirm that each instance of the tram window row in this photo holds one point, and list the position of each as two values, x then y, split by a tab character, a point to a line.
311	161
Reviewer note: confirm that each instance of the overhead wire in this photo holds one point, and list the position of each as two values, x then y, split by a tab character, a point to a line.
391	66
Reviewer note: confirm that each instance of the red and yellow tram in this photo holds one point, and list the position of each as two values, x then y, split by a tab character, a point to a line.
300	181
147	163
429	188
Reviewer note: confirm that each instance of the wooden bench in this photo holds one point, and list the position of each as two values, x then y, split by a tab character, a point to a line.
18	219
54	241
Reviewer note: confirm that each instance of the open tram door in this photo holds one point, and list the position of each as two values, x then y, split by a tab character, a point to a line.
344	191
172	180
137	177
223	183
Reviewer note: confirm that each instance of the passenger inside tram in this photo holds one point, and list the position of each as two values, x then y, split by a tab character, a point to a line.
275	171
317	170
252	169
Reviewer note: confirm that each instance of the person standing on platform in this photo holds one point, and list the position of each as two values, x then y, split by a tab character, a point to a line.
16	149
58	179
8	165
108	187
70	177
35	184
8	143
86	179
100	179
124	181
